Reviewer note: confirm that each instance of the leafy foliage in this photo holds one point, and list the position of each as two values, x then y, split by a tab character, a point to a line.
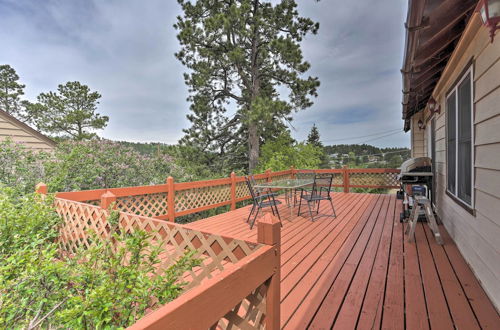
79	165
111	284
239	53
10	90
20	167
69	112
284	152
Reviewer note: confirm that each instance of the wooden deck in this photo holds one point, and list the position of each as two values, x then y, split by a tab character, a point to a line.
359	271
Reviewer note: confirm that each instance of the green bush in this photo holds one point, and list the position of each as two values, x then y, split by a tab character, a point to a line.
283	152
109	285
84	165
20	167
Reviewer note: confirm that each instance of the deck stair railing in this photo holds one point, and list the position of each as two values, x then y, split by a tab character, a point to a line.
237	283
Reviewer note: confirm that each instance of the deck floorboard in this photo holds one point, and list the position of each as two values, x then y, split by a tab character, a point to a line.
359	271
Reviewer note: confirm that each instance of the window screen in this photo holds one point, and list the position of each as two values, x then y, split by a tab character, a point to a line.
451	139
464	140
459	140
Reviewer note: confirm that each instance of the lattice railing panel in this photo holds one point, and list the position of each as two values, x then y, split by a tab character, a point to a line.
150	205
248	313
373	179
194	198
242	190
80	220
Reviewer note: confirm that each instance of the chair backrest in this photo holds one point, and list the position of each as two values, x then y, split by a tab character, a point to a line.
322	183
248	180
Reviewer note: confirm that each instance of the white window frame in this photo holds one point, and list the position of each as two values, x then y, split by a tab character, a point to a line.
472	132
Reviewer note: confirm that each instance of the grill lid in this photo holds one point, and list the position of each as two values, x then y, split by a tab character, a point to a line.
418	164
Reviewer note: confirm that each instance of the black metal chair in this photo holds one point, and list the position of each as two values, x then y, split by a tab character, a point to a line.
261	200
302	175
320	191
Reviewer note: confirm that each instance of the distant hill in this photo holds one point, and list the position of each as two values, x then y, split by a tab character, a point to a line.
365	155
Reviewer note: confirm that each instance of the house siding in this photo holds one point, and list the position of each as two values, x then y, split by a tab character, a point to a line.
477	235
17	133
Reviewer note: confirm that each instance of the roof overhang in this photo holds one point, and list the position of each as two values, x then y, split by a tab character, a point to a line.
433	28
27	128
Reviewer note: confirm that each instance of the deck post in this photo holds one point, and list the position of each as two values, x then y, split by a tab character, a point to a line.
171	199
345	172
269	233
233	191
292	172
107	199
41	188
268	175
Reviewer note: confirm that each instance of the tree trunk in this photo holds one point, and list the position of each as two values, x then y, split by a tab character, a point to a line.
253	147
253	131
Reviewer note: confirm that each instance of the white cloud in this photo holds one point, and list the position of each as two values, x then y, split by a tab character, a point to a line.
124	50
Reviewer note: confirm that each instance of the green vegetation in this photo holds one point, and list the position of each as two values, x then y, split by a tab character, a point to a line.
240	53
112	284
69	112
84	165
284	152
365	156
10	90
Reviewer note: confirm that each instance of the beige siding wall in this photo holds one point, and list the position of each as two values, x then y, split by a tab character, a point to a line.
417	138
9	129
477	235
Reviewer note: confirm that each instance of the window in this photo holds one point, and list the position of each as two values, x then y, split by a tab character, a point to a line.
459	139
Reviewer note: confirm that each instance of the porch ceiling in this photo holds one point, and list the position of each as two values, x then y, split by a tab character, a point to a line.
433	28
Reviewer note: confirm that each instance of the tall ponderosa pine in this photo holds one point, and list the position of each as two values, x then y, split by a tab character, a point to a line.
69	112
10	90
243	54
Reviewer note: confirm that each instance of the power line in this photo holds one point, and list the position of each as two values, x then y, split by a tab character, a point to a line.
383	136
363	136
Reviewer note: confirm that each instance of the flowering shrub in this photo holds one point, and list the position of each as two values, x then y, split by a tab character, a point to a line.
84	165
20	167
112	284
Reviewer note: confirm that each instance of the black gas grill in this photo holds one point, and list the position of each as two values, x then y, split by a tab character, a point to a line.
415	179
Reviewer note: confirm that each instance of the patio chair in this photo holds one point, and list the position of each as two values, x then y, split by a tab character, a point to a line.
320	191
261	200
302	175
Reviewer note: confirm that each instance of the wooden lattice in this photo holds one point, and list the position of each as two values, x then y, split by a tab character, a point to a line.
149	205
80	220
281	177
248	313
386	179
194	198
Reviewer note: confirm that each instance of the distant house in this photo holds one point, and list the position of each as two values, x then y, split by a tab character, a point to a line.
451	105
18	131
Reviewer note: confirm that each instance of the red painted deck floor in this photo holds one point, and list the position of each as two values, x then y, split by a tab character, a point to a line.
359	271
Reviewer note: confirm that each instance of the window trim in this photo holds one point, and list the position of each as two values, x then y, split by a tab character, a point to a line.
454	89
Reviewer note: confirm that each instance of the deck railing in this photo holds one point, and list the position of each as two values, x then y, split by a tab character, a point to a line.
172	200
237	283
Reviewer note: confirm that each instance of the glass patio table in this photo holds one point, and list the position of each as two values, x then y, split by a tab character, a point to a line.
288	185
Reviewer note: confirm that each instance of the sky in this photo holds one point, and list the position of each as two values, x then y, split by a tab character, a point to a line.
124	49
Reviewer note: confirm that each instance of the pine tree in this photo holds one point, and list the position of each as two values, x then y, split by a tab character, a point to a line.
69	112
10	91
313	137
238	53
